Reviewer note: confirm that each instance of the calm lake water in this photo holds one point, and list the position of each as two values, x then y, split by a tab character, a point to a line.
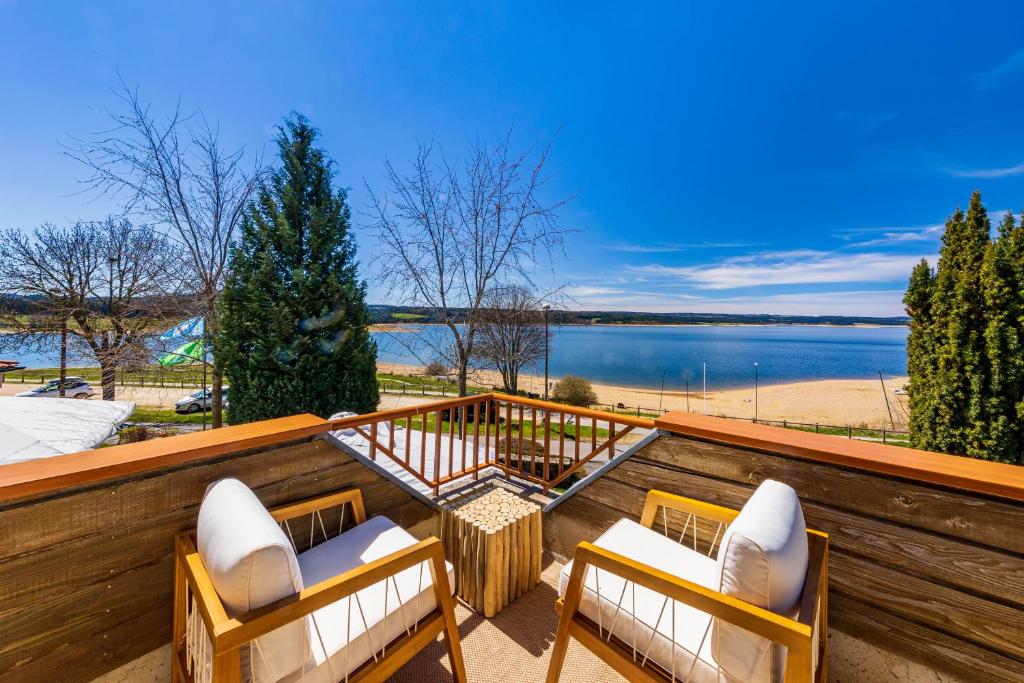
639	356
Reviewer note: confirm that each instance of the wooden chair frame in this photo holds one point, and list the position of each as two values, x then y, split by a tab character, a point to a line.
228	634
798	635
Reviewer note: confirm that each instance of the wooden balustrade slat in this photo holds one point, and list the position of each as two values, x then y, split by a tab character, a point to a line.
373	441
576	440
408	439
476	438
451	440
533	439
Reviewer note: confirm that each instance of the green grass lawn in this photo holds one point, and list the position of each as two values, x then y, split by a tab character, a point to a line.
525	430
165	416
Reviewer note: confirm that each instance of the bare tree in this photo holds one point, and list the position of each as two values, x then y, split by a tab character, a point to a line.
175	173
448	231
102	282
511	332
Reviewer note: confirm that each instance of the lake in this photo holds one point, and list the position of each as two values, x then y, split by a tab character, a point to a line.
639	356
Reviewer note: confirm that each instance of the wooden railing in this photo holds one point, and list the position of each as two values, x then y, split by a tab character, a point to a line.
541	442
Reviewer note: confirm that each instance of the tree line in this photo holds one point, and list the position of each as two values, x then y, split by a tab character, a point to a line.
964	351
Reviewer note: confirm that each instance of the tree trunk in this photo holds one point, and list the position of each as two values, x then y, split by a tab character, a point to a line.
108	378
217	372
216	399
463	377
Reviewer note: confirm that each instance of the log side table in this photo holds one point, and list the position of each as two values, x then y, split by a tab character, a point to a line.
493	540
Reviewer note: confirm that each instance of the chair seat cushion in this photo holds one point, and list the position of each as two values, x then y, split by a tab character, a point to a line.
347	633
681	645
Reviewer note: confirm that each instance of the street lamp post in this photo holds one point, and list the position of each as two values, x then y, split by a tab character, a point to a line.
755	392
547	308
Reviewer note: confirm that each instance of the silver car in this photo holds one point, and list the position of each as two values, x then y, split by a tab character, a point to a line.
199	400
74	387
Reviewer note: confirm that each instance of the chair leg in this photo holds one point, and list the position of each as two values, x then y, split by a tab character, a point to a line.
561	646
571	602
439	575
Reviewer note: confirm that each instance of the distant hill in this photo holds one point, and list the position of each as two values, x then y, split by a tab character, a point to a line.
405	314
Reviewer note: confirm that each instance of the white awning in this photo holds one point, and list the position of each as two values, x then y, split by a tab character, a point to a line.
33	428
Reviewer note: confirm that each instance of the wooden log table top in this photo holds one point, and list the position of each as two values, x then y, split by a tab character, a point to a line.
493	539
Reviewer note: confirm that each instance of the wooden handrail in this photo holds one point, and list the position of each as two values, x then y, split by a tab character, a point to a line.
967	474
619	418
46	475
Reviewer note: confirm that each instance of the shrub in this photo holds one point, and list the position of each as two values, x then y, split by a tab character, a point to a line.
575	391
435	368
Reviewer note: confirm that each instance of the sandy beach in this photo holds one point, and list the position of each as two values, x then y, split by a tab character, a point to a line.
855	402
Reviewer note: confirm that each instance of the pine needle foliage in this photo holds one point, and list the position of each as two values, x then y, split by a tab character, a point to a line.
294	330
964	350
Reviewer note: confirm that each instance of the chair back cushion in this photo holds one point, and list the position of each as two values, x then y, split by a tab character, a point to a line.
763	561
251	564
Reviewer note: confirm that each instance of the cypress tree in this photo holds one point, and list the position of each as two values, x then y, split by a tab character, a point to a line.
921	355
294	329
958	313
1003	433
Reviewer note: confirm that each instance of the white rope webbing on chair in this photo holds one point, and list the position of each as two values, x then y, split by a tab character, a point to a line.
198	646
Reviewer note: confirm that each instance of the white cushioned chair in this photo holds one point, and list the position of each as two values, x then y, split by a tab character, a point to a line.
746	603
354	605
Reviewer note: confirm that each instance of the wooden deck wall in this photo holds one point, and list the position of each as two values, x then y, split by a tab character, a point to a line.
933	573
86	573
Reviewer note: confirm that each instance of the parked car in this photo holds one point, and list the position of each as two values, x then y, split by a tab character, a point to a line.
74	387
199	400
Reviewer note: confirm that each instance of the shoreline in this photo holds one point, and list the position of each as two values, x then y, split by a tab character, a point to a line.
398	326
841	402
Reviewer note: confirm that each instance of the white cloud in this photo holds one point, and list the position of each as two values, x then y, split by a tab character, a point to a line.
903	235
796	267
673	247
584	291
999	172
994	77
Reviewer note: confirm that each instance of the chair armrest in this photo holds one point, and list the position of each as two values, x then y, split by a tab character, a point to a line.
235	632
755	619
698	508
305	507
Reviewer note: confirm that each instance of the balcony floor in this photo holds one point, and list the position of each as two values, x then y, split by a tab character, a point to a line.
514	645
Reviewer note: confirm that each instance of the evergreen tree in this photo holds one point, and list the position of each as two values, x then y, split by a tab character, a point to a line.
1002	275
959	323
921	355
294	329
965	350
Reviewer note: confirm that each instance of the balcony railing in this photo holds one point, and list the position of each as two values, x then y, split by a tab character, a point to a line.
539	442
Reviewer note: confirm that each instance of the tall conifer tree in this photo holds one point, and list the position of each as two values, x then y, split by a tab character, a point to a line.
921	356
294	330
959	323
965	350
1003	433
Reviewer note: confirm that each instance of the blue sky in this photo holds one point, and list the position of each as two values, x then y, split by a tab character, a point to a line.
728	157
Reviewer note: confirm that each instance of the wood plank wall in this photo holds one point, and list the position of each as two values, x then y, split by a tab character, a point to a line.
931	573
86	574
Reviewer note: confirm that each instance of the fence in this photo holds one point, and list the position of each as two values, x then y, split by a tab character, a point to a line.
192	378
